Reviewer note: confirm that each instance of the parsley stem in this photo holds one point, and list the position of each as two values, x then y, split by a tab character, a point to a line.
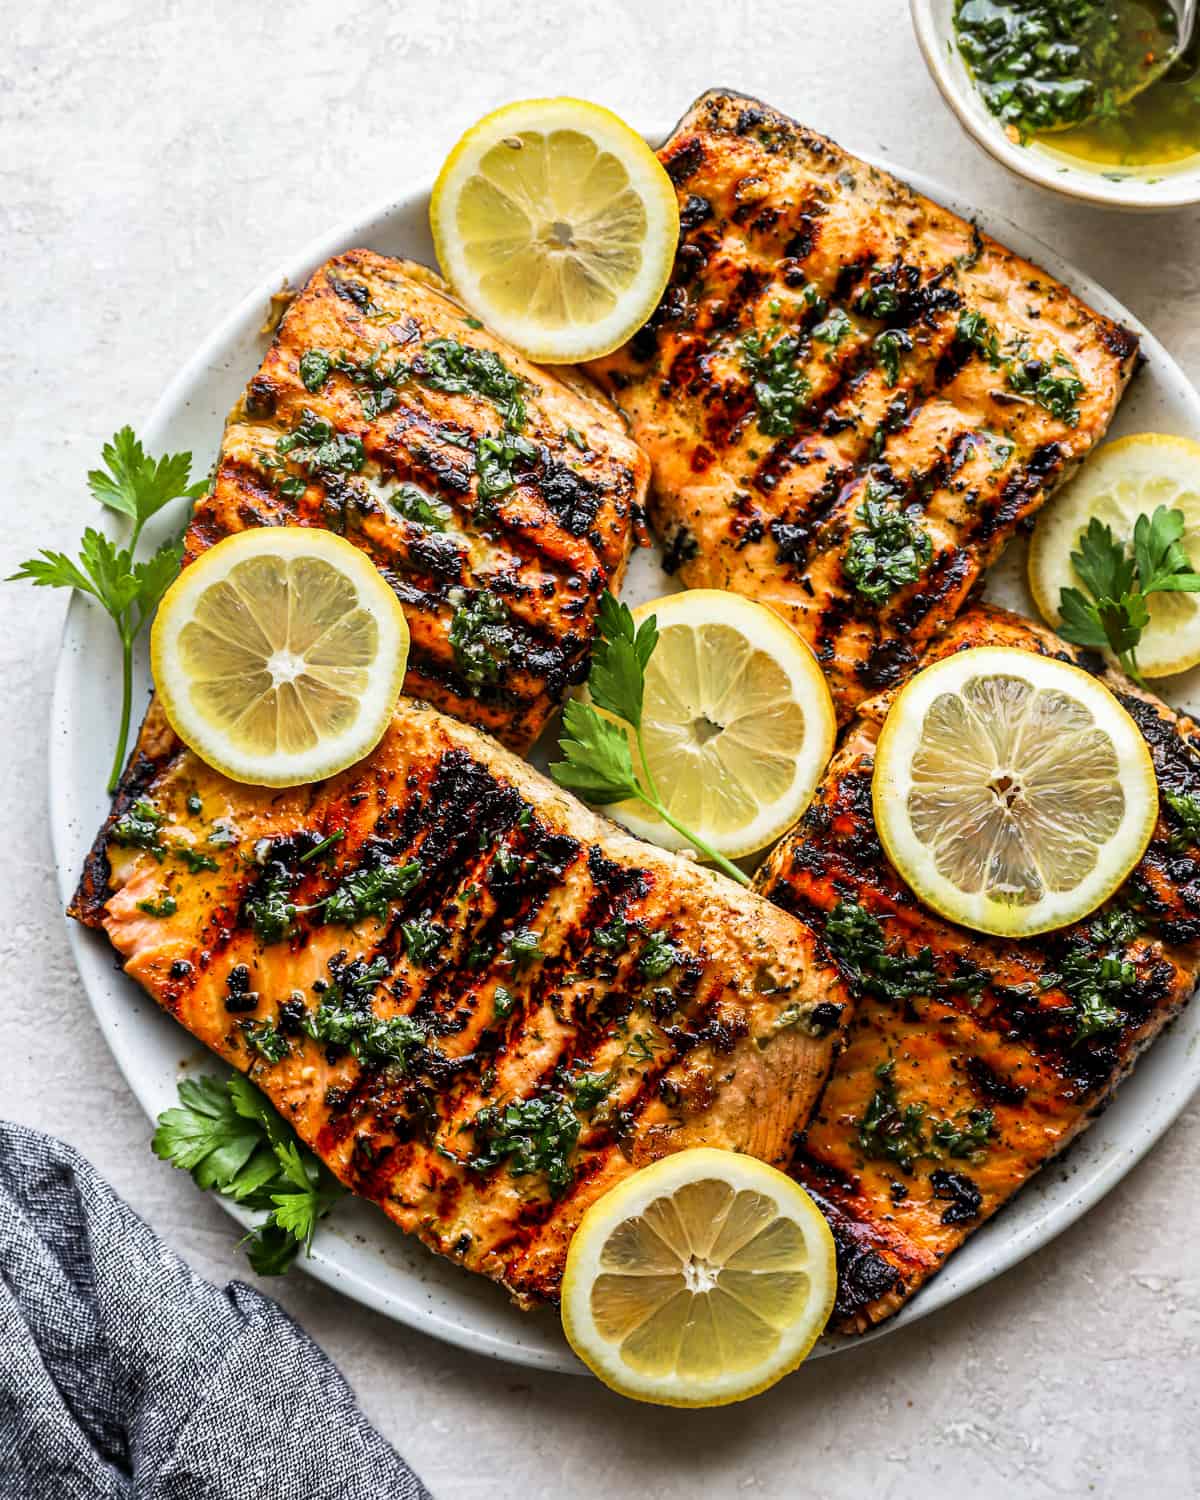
724	865
646	771
118	764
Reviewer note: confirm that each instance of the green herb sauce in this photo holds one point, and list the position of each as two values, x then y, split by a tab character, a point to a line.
1062	73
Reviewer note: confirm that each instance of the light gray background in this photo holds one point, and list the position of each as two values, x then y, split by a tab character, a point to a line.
156	160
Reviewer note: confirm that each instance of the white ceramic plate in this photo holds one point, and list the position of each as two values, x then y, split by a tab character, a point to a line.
359	1251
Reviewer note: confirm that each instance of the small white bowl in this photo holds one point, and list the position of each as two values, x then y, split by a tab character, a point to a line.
1178	187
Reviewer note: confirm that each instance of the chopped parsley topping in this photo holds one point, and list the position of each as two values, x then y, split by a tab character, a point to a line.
1056	387
856	938
1098	981
880	299
531	1135
503	1002
613	936
642	1047
968	1137
523	947
423	940
315	366
369	892
372	1040
195	859
1185	811
891	1131
459	369
318	850
317	449
833	329
891	345
974	330
781	389
658	957
590	1088
139	827
890	551
495	464
264	1040
423	510
480	636
269	908
346	1018
165	906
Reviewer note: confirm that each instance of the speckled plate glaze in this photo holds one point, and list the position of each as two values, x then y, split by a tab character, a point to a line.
358	1251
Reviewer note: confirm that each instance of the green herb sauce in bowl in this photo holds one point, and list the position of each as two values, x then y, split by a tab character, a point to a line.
1069	76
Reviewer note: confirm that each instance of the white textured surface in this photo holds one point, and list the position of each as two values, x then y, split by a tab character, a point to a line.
156	160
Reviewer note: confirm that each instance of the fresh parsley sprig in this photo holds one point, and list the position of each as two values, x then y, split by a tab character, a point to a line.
598	762
136	486
231	1140
1120	580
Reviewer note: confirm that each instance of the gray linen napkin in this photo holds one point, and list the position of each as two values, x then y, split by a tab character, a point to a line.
123	1374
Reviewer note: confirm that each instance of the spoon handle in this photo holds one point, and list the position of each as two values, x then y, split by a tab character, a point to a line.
1185	10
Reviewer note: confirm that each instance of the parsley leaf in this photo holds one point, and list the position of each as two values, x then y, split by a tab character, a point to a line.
231	1141
617	679
1119	581
137	487
597	755
598	763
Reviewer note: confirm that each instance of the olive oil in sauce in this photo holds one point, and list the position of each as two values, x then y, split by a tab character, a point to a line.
1062	75
1157	130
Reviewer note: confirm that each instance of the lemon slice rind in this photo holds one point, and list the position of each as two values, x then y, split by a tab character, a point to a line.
780	737
761	1288
1074	813
352	641
1123	480
603	235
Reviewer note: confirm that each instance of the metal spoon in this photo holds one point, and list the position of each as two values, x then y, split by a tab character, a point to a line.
1185	15
1185	24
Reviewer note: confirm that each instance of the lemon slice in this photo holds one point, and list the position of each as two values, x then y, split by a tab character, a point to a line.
1124	480
737	723
557	225
1012	791
700	1280
278	655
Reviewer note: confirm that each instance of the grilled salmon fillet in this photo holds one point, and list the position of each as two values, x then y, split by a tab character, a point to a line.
972	1060
497	501
849	395
480	1003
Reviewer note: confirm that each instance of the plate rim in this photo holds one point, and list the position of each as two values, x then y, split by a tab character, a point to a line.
323	1264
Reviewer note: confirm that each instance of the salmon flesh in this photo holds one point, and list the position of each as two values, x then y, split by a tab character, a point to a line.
972	1061
850	396
498	501
481	1004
